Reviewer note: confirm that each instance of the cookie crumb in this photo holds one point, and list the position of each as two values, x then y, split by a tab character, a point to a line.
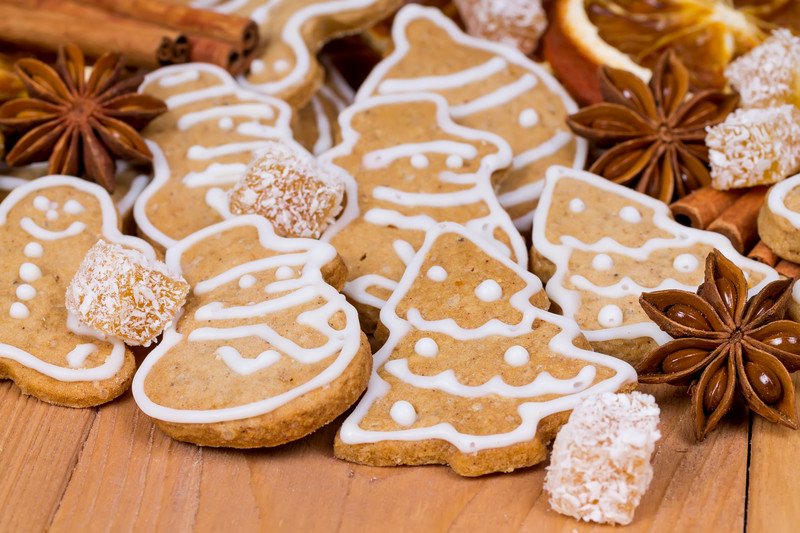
600	465
754	147
516	23
768	75
299	195
121	293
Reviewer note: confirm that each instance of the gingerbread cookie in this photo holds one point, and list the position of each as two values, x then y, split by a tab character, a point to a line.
473	375
316	125
779	219
46	228
201	147
267	349
599	245
489	87
292	31
409	166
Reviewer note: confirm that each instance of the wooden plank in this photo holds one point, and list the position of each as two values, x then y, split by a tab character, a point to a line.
774	477
39	446
131	476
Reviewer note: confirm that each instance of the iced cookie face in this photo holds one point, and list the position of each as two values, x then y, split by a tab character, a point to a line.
46	228
267	349
201	147
779	219
473	375
409	168
600	245
489	87
292	31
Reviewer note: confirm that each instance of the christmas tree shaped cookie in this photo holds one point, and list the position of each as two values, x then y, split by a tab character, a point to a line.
267	349
600	245
46	228
291	33
201	147
490	87
411	167
473	375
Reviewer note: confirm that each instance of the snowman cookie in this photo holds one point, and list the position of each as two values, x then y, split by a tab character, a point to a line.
599	245
473	375
46	228
267	349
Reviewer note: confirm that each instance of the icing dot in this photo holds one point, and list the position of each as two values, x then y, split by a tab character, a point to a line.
281	65
25	292
19	311
257	66
51	214
29	272
73	207
284	272
517	356
528	118
489	291
437	273
630	214
576	205
419	161
602	262
454	161
610	316
426	347
41	203
246	281
33	249
225	123
685	263
403	413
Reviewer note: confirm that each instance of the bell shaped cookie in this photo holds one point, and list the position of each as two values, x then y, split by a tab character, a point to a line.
599	245
489	86
46	228
267	349
473	375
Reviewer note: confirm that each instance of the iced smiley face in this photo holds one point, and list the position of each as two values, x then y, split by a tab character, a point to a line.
47	227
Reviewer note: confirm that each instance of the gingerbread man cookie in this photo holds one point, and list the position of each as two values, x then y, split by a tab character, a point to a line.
779	219
201	147
489	87
409	167
46	228
473	375
267	349
599	245
292	31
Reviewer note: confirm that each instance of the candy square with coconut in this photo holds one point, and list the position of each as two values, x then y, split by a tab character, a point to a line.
516	23
754	147
600	465
121	293
299	195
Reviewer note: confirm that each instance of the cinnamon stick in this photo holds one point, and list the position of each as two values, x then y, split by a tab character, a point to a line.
788	269
739	222
223	53
703	206
763	254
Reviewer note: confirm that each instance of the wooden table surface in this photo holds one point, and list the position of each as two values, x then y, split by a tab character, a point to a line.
110	469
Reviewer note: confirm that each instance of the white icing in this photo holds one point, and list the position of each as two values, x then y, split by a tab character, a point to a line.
284	272
454	161
403	250
29	272
489	291
247	281
385	157
77	357
776	200
37	232
686	263
403	413
419	161
280	66
610	316
33	250
437	273
25	292
51	215
602	262
244	366
426	347
630	214
42	203
20	312
517	356
576	205
73	207
225	123
528	118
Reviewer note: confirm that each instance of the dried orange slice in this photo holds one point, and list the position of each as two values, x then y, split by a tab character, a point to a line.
631	34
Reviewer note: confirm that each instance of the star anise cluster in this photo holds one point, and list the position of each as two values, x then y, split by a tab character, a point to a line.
655	133
79	124
726	346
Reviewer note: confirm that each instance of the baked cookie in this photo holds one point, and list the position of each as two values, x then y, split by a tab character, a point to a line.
292	31
46	228
489	87
473	374
316	126
201	147
267	349
409	166
599	245
779	219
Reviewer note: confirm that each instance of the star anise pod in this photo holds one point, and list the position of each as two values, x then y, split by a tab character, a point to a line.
80	125
655	134
726	346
